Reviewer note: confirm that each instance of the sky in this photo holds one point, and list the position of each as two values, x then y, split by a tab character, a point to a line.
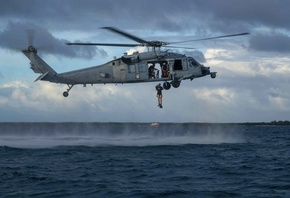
253	71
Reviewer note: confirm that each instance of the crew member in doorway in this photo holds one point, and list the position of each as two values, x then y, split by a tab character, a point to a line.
151	71
164	70
159	89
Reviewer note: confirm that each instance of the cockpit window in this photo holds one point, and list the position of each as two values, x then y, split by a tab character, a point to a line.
192	62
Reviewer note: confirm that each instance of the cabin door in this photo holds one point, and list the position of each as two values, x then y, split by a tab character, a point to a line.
119	73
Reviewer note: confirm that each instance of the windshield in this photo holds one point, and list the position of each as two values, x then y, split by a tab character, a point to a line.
192	62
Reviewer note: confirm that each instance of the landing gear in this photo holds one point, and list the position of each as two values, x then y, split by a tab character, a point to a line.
175	83
65	94
166	85
213	75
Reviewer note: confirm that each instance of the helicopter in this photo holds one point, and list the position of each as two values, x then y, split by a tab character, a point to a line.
140	67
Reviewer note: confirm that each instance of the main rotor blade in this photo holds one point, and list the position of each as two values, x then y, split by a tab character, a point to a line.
216	37
130	36
106	44
179	47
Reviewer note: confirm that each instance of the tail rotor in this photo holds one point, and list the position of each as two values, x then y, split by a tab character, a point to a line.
30	33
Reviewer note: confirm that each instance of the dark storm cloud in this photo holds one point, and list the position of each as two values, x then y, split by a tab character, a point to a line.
259	12
18	36
275	42
166	14
90	14
170	15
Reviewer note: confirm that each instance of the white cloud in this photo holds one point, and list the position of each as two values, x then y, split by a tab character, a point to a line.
279	103
136	49
14	84
219	96
3	100
192	102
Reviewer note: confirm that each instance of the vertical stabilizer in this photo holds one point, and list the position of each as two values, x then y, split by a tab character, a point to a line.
37	64
40	66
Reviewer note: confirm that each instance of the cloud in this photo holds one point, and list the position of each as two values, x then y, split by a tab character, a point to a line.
98	103
170	16
237	14
200	100
274	42
163	15
18	36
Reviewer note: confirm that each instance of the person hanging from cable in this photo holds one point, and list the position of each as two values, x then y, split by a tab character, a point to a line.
159	89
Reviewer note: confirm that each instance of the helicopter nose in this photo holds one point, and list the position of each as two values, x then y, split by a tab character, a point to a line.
205	71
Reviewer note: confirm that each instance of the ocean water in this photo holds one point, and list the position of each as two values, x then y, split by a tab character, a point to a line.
137	160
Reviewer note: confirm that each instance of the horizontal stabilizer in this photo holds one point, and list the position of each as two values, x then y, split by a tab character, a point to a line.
41	76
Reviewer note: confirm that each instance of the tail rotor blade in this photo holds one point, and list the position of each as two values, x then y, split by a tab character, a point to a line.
30	36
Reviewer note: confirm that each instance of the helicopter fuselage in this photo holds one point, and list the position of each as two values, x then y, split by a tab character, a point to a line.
136	68
165	66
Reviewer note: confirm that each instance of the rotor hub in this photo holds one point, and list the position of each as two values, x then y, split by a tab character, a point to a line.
32	49
156	43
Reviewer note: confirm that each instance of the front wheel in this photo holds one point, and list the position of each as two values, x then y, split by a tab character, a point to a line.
166	85
213	75
175	83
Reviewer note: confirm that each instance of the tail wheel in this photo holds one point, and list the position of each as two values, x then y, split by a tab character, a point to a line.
65	94
166	85
175	83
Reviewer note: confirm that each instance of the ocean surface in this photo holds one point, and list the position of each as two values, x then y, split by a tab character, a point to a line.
138	160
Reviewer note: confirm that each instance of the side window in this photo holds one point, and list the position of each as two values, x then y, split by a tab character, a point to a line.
192	63
142	68
131	68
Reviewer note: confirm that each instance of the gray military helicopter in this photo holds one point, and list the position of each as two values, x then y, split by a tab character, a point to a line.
151	66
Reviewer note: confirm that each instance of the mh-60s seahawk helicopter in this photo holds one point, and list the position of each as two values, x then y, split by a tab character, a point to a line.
151	66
